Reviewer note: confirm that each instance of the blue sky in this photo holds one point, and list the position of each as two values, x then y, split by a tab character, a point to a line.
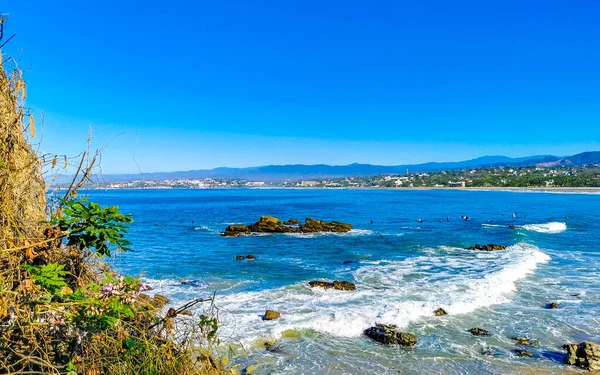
185	85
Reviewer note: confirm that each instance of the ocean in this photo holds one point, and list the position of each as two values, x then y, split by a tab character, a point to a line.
403	270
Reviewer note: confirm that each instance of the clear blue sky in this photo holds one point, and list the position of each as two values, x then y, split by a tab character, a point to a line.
201	84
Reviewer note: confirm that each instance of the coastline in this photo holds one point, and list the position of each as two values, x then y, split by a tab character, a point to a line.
580	190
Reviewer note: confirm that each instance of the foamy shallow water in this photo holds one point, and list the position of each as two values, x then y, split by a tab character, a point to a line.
403	271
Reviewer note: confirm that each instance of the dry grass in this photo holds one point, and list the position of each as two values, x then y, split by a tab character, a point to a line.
52	333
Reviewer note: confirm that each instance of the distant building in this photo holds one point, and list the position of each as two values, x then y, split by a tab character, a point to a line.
309	183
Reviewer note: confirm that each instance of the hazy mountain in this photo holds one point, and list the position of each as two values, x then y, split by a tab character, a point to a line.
301	171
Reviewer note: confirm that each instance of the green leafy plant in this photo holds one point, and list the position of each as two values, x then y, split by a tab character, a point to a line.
208	326
89	225
50	276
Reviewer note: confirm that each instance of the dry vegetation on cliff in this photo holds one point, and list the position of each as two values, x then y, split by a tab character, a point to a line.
62	309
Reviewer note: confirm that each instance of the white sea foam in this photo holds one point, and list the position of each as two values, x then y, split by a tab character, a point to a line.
396	292
492	225
206	228
351	233
552	227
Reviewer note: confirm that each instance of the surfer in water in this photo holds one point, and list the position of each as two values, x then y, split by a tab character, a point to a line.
419	220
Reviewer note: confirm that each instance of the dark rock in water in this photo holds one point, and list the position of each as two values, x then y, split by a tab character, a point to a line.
526	341
514	227
585	355
349	262
388	334
523	353
159	301
553	305
240	257
269	224
478	332
440	312
488	247
271	315
236	230
339	285
250	257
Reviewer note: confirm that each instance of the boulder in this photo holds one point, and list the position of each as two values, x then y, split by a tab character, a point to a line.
292	221
478	332
236	230
388	334
250	257
339	285
488	247
240	257
513	227
344	285
585	355
440	312
523	353
553	305
271	315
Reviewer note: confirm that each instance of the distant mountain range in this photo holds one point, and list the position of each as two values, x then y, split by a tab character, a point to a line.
305	172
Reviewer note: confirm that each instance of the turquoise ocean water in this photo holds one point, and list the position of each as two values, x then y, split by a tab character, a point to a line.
403	270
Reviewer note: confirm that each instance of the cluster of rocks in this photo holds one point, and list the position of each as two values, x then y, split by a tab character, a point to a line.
488	247
269	224
338	285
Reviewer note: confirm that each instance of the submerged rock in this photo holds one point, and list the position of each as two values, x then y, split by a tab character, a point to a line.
339	285
488	247
269	224
513	227
523	353
526	341
271	315
478	332
585	355
553	305
246	257
440	312
388	334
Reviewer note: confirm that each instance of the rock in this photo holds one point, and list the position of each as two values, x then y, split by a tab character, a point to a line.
240	257
513	227
526	341
488	247
552	305
270	224
523	353
585	355
388	334
440	312
250	257
339	285
271	315
159	301
344	285
236	230
478	332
